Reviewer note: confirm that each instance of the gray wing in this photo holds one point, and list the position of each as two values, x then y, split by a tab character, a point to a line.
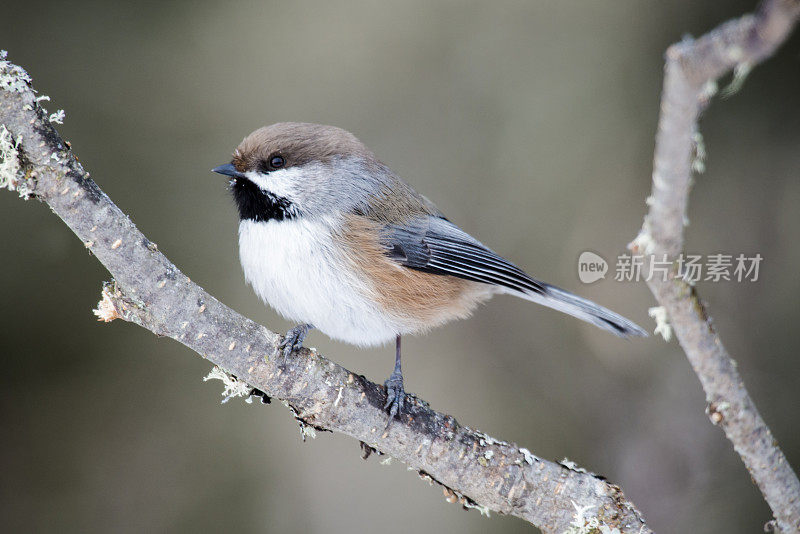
435	245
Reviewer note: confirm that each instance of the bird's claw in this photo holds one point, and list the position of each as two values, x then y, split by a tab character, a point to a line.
395	395
293	340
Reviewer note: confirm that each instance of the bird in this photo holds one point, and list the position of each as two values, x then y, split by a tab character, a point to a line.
333	240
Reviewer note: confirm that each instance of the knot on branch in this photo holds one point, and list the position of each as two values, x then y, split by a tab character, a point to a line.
106	310
115	305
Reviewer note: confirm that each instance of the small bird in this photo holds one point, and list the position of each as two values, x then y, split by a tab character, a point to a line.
332	239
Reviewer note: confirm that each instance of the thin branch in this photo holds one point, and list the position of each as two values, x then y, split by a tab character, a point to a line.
476	470
692	67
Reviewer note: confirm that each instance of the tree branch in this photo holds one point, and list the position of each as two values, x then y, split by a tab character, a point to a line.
476	470
692	67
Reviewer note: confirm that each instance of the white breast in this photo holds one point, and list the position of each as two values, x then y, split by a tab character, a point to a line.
295	267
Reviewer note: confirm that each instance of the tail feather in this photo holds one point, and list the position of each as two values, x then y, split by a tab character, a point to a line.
586	310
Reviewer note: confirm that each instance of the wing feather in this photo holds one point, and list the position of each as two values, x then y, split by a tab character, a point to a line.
435	245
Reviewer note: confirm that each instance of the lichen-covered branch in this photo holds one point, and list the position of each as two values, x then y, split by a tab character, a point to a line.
475	469
691	72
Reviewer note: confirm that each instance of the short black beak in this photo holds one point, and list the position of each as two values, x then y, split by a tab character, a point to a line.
228	170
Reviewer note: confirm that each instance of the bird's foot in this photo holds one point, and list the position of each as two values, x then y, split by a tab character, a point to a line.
293	340
395	395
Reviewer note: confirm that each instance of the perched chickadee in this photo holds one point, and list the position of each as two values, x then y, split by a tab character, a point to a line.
333	239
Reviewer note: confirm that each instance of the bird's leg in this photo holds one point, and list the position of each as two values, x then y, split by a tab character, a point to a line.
395	394
293	339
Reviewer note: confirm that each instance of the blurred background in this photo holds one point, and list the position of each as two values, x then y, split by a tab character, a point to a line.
531	124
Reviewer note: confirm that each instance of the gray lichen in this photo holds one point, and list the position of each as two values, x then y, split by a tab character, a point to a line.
233	386
659	314
13	78
10	170
581	524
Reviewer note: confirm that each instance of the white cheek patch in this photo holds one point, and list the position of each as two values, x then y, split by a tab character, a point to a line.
281	183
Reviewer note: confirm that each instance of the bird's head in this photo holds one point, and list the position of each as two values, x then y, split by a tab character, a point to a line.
289	170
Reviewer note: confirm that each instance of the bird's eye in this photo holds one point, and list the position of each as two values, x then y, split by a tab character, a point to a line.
276	162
